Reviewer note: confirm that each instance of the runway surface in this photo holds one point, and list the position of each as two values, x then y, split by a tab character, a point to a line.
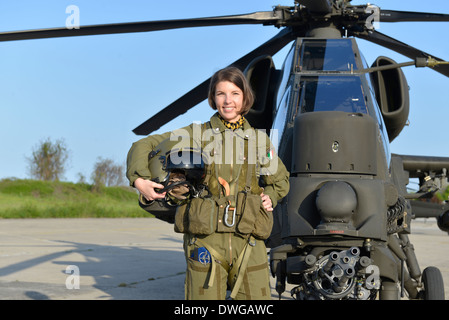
142	258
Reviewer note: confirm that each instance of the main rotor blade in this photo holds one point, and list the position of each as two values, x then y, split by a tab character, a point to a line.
263	17
199	93
401	16
402	48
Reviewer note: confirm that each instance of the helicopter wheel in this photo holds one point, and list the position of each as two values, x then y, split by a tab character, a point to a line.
433	284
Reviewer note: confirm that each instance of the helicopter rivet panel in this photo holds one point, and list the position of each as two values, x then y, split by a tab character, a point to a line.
347	145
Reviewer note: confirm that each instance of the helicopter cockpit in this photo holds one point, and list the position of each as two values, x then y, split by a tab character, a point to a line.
326	55
325	75
327	80
331	93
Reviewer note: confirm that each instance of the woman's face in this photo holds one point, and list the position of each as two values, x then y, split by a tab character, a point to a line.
228	100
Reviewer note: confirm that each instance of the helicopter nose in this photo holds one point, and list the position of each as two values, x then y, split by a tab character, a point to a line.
336	201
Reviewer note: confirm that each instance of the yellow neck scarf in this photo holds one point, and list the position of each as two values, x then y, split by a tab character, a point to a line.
233	125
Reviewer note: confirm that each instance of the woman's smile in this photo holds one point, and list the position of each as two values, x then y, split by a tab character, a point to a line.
229	101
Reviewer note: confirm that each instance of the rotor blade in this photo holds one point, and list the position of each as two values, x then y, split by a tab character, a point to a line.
401	16
263	17
402	48
199	93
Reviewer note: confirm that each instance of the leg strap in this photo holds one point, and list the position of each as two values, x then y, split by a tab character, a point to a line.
237	271
239	268
214	256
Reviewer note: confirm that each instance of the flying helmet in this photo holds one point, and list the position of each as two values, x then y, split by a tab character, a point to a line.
178	164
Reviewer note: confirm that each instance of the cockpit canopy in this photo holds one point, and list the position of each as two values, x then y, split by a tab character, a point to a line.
327	55
324	75
332	93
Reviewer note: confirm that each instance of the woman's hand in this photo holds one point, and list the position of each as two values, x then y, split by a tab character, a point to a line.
266	202
146	188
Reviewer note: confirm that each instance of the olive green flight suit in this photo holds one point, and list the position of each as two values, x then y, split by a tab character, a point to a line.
234	160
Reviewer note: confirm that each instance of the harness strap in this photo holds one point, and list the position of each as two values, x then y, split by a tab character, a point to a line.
251	167
204	127
237	270
214	256
240	266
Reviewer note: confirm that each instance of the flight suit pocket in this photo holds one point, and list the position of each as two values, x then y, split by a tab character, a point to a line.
263	224
248	206
202	216
198	216
181	218
254	218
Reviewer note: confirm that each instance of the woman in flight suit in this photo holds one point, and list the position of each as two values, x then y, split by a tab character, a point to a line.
226	249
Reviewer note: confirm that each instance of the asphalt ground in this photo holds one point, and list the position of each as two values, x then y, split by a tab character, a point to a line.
126	259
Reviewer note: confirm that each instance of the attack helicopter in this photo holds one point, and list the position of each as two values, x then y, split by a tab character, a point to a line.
342	232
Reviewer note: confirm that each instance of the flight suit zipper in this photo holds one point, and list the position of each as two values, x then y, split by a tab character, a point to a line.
230	248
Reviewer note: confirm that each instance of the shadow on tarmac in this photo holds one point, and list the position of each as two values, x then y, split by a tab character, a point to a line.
129	259
105	272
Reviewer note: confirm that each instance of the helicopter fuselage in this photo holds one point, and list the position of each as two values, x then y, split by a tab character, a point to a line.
330	133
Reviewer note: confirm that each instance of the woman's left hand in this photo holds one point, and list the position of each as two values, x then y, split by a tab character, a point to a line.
266	202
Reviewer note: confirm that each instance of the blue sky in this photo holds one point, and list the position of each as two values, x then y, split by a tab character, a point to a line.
92	91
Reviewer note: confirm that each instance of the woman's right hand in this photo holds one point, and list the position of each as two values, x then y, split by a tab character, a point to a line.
146	188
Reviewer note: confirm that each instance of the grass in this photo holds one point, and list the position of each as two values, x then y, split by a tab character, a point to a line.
55	199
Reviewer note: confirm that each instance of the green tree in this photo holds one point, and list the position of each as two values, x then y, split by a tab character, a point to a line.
48	161
107	173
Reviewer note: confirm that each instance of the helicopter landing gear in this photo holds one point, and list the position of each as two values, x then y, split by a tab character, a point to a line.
432	281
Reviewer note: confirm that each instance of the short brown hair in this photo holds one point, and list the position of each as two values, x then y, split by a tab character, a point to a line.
235	76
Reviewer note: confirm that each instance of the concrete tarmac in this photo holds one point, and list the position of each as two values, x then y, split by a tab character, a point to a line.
124	259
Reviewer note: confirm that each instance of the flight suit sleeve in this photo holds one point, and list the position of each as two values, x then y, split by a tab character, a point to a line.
274	174
137	159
